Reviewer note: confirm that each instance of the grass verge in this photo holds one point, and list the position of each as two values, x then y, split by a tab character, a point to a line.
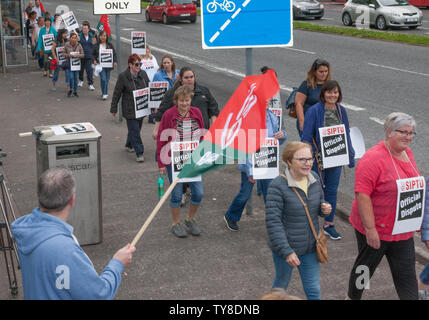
413	39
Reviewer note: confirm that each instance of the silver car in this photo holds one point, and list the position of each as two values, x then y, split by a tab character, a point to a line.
307	9
382	14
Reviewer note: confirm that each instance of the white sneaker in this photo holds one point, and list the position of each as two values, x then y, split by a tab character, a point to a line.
105	96
91	87
80	84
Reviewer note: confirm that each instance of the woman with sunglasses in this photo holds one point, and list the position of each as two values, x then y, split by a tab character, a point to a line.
379	177
326	113
128	81
309	90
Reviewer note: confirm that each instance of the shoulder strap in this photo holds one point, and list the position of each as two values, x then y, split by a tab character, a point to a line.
306	210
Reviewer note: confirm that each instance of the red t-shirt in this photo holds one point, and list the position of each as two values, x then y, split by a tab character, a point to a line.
376	176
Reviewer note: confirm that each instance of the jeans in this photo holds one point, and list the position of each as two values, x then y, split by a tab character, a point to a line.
72	76
331	180
134	139
86	64
402	262
40	59
236	208
424	276
309	270
104	80
56	74
47	62
197	191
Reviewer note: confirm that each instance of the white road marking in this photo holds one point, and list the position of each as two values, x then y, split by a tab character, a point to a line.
377	120
300	50
397	69
169	26
136	20
328	18
128	29
210	66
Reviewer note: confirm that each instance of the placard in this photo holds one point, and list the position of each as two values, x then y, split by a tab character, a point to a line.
70	21
157	92
358	142
279	113
72	128
74	62
106	58
275	102
141	102
334	147
48	40
265	162
138	42
181	152
60	55
410	205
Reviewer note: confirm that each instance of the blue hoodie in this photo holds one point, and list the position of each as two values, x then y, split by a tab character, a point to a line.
53	264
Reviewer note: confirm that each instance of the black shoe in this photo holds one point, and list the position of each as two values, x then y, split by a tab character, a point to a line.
232	225
75	95
69	94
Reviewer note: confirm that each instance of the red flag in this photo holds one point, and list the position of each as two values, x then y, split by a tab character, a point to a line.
239	129
104	25
42	8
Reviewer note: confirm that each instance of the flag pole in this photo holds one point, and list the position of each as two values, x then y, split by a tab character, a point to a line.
154	212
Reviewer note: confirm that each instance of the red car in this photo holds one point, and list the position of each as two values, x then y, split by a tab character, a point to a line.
171	10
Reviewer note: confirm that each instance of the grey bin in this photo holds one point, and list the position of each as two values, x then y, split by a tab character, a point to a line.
80	153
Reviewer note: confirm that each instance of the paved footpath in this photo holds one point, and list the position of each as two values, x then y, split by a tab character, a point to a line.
219	264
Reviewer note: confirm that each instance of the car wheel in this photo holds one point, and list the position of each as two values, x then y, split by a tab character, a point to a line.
317	18
380	23
413	27
193	20
147	16
347	19
164	19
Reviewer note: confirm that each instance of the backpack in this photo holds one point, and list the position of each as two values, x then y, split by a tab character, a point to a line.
290	103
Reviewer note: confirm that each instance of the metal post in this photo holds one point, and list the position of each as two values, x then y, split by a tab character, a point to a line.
118	55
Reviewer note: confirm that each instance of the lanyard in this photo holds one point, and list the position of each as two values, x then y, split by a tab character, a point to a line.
409	161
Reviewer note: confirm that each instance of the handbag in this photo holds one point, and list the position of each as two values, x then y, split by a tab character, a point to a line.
66	64
321	241
290	103
53	65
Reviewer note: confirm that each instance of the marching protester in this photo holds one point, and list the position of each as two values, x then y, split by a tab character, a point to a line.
35	41
167	70
73	49
37	8
59	42
30	25
150	65
176	118
235	210
131	79
309	90
289	235
423	282
103	43
88	41
46	52
53	264
328	112
374	209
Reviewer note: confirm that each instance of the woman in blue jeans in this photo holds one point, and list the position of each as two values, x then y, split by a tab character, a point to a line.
105	72
73	49
60	42
328	112
289	235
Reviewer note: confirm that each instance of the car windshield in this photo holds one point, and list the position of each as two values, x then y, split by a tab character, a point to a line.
392	3
177	2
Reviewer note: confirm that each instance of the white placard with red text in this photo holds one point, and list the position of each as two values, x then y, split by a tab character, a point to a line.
334	147
138	42
265	162
141	102
410	205
106	58
279	113
70	21
181	152
157	92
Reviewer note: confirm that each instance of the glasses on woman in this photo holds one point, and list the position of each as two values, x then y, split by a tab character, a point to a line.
406	133
304	160
138	64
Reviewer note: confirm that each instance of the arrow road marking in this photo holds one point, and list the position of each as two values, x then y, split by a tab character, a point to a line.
227	22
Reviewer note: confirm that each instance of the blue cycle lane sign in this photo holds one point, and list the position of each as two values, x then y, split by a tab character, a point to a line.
246	23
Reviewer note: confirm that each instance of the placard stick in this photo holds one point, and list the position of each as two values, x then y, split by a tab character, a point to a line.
154	212
29	134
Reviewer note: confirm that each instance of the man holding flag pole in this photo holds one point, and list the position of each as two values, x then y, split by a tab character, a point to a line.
238	132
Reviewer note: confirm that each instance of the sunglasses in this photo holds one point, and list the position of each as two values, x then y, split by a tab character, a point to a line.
138	64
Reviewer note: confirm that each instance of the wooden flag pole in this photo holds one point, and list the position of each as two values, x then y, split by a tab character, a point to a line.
154	212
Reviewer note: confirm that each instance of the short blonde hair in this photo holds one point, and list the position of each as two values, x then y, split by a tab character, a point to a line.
183	91
292	147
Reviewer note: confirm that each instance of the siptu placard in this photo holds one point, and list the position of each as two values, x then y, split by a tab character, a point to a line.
246	23
117	7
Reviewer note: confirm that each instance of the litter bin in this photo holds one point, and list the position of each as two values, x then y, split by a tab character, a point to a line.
77	148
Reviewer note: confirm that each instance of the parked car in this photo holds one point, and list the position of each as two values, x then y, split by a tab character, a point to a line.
382	14
307	9
171	10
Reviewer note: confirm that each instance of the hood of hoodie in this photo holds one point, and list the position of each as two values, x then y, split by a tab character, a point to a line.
33	229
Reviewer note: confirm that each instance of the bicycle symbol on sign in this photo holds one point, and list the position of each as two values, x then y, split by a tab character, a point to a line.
225	6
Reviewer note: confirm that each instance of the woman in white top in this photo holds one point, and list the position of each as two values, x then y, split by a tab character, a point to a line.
150	65
35	37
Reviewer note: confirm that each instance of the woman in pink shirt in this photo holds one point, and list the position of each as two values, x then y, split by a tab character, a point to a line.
374	209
